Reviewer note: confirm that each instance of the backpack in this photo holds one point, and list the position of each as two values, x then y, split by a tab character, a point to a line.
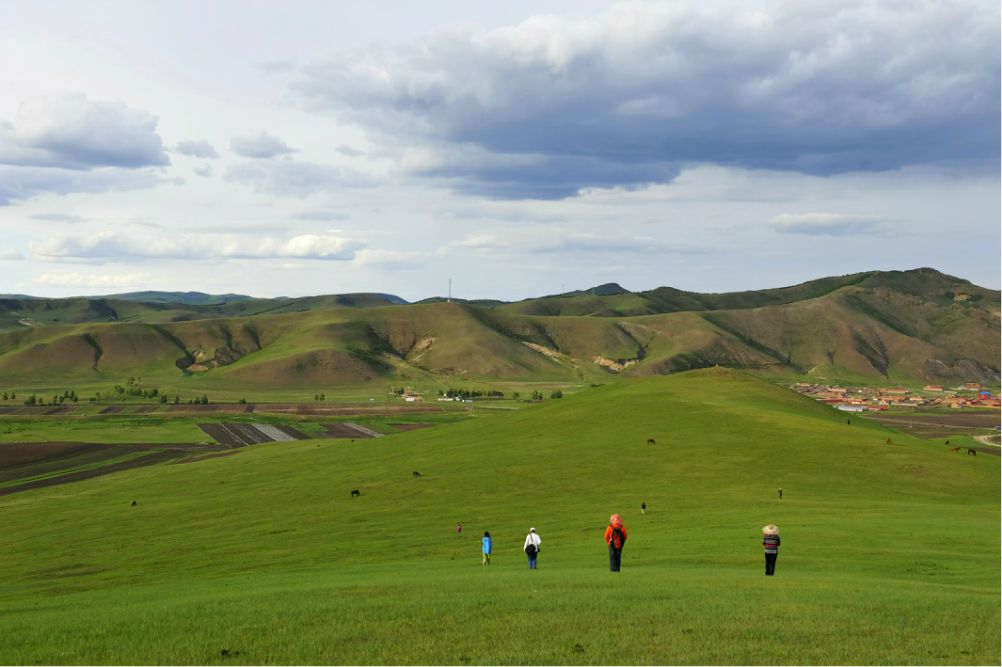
617	538
530	548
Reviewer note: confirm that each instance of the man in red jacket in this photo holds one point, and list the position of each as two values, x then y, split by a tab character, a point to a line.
615	537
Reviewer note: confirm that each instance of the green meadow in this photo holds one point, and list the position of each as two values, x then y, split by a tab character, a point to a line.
890	553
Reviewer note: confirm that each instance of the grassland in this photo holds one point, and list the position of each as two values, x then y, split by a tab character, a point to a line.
890	552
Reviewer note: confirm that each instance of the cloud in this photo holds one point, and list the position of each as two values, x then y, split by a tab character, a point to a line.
554	241
393	260
260	145
345	149
11	255
321	216
91	279
630	96
823	224
75	132
59	217
108	246
203	170
197	148
294	179
21	183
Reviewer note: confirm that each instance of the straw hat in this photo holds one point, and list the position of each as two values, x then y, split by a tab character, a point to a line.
771	529
615	520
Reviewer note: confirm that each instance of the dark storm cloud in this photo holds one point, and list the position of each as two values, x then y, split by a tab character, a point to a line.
629	97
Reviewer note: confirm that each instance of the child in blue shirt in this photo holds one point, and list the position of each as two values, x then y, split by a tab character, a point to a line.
487	548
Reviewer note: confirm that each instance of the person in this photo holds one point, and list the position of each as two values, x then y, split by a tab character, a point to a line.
459	528
615	537
487	548
781	494
643	508
770	542
531	547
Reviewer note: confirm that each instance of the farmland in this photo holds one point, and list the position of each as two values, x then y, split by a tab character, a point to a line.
264	558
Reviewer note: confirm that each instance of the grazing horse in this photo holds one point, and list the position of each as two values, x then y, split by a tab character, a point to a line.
954	449
355	492
889	441
650	441
971	452
134	503
416	473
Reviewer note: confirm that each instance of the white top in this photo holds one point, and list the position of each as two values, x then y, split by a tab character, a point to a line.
531	538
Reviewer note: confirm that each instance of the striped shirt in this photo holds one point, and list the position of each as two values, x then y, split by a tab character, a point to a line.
771	543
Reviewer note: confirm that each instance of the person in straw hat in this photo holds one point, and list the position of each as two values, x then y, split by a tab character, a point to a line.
615	537
770	542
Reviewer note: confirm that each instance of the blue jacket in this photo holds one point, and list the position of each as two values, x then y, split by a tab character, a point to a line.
487	545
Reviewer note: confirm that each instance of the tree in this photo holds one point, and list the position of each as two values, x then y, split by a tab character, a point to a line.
516	395
556	393
243	401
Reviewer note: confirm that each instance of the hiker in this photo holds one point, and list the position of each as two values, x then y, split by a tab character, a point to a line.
615	537
531	547
459	528
770	541
781	494
643	508
487	548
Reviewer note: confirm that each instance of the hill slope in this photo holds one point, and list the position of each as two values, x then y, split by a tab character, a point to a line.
265	555
906	327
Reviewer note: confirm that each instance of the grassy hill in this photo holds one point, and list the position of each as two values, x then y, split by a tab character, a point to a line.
889	556
900	327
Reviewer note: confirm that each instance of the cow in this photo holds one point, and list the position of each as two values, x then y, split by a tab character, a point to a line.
416	473
650	441
954	449
134	503
355	492
971	452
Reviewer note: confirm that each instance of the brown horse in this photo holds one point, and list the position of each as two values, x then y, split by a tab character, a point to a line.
650	441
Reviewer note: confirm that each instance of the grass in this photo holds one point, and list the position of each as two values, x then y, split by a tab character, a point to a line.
890	553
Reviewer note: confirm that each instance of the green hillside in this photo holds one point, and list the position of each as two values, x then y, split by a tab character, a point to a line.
906	327
889	556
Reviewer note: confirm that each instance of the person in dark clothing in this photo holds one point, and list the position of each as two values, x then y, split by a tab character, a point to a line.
770	542
615	537
643	508
781	494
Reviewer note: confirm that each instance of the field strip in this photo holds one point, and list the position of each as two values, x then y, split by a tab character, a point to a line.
367	431
276	434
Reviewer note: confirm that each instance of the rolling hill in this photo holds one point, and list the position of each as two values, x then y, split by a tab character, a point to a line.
903	327
889	555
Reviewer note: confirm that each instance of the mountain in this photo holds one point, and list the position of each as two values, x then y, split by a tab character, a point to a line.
900	327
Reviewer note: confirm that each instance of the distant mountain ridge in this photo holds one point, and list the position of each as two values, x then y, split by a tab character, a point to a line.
899	326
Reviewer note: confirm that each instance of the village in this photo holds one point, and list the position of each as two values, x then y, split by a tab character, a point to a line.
861	399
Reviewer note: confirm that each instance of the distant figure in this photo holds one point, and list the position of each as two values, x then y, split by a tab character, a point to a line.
416	473
781	494
643	508
487	547
770	542
947	443
531	547
355	493
650	441
134	503
459	528
971	452
848	421
954	449
890	442
615	537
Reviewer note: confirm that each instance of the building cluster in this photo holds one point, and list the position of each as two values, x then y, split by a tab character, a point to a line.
861	399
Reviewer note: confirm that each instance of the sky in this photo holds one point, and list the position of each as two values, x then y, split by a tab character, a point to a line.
517	148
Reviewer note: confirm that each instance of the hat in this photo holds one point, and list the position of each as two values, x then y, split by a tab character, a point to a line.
532	530
615	520
771	529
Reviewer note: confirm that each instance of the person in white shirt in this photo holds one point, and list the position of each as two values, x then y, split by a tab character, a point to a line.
531	547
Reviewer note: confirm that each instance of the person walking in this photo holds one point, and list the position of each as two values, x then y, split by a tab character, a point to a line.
643	508
459	528
770	542
781	494
615	537
487	548
531	547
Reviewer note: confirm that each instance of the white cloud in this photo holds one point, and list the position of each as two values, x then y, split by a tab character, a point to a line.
197	148
295	179
823	224
11	255
92	279
22	183
75	132
203	170
108	246
58	217
260	145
